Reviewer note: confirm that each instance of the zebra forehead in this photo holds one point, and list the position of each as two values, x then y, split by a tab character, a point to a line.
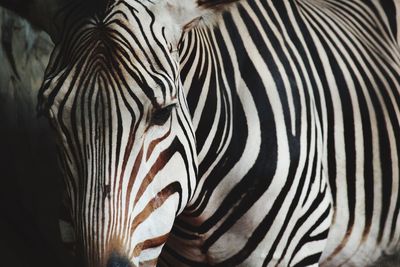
117	55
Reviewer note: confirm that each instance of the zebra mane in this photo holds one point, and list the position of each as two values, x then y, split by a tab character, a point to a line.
211	9
215	4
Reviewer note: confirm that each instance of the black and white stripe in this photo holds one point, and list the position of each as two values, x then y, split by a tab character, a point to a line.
270	128
115	99
317	82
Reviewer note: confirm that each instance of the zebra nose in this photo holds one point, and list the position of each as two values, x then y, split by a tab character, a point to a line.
118	261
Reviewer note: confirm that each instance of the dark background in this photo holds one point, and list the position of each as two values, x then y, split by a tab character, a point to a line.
30	181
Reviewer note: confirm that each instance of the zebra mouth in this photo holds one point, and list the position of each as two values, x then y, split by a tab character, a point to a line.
117	260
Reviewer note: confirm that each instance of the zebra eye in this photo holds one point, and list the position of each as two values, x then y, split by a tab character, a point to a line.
160	116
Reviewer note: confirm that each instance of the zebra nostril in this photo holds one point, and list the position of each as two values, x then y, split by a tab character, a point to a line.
118	261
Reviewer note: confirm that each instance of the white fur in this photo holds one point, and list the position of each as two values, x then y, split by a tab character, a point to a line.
187	14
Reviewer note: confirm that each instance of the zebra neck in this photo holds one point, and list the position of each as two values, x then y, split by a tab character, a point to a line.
208	92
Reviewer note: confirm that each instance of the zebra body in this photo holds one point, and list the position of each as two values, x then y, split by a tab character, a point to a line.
260	158
316	85
271	130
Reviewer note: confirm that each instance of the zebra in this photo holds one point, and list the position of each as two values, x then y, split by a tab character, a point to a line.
226	133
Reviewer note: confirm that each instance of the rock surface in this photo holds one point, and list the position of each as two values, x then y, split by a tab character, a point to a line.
30	182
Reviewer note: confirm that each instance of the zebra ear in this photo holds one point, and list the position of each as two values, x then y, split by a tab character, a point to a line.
40	13
190	13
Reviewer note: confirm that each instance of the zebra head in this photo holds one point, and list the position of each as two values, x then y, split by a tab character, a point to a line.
112	92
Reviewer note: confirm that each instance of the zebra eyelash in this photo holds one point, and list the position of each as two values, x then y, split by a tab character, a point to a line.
161	115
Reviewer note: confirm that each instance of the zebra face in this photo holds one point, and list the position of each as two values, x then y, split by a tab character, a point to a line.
113	94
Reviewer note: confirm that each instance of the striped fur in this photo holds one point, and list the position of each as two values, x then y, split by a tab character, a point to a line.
329	72
281	149
103	88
